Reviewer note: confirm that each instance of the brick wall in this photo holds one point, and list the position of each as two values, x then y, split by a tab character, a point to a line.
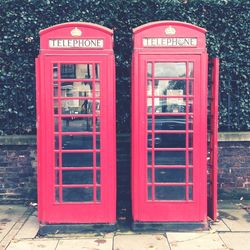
18	169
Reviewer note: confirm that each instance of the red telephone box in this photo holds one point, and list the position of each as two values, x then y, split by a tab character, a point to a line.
169	124
76	125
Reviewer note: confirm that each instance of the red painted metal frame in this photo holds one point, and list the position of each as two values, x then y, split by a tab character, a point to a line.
162	210
50	211
213	167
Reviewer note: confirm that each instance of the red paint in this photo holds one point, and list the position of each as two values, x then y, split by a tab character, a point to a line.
213	168
78	130
160	181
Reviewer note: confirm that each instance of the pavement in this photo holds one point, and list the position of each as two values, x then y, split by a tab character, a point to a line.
19	228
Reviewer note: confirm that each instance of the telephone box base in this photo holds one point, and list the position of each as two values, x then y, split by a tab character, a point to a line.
169	226
75	228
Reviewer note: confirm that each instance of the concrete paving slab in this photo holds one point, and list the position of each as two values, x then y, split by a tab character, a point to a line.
9	215
219	226
86	244
238	220
236	241
195	241
33	245
30	228
140	242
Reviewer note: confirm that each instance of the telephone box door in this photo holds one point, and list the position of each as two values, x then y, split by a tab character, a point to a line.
169	132
76	146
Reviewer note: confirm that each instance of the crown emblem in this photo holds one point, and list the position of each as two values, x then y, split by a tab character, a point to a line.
75	32
170	30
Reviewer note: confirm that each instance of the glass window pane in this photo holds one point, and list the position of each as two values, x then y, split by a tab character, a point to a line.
170	192
170	140
76	89
190	192
57	195
170	105
77	142
56	124
191	69
76	71
55	89
149	157
97	141
97	124
77	194
190	87
97	89
56	142
170	69
149	71
77	124
149	105
56	160
77	177
190	140
149	140
97	71
149	122
170	87
190	175
56	107
149	175
190	122
150	193
98	194
190	158
170	158
149	88
77	159
55	71
76	106
57	177
169	122
98	160
98	177
170	175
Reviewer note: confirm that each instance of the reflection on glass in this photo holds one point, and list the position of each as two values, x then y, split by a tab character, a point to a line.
98	124
149	105
76	89
77	177
56	160
170	69
190	192
77	159
170	192
55	71
56	107
72	142
76	71
97	141
149	88
190	105
97	71
97	89
98	194
190	122
57	195
57	177
190	158
98	159
56	142
170	158
149	71
149	157
55	89
170	105
98	177
170	88
168	175
149	193
191	69
149	175
190	87
56	124
77	124
170	140
190	140
150	141
76	106
168	123
77	194
190	175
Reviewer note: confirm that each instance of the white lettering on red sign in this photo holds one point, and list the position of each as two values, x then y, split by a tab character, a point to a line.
76	43
170	42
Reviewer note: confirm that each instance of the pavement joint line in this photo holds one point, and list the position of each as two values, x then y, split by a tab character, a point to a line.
20	221
57	244
166	236
223	241
230	230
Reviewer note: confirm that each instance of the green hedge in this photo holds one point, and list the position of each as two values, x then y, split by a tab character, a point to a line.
226	20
